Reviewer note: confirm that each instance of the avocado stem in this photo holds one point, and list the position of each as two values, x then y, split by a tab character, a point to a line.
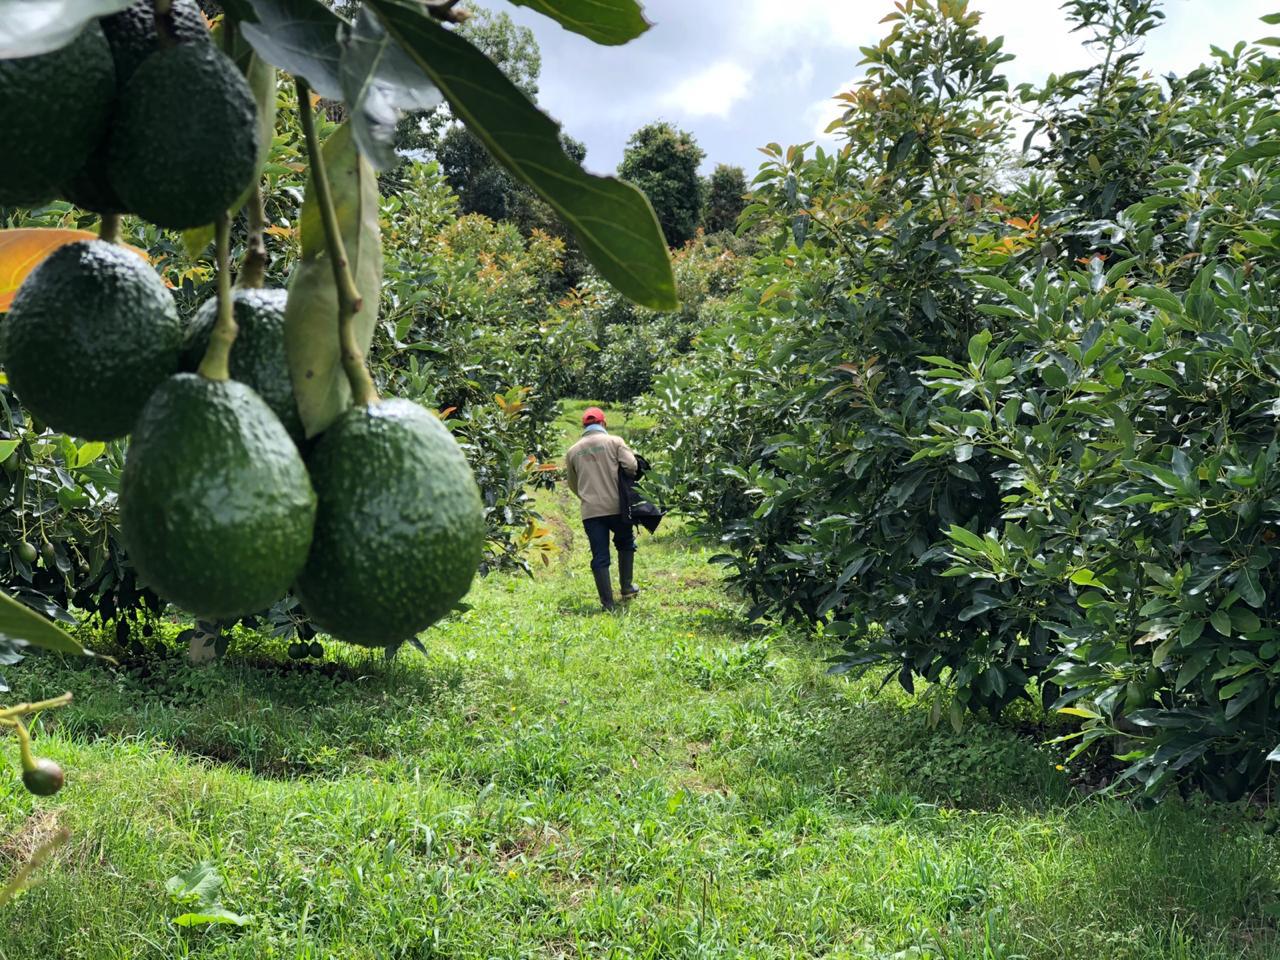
164	27
24	746
253	268
216	364
109	228
350	302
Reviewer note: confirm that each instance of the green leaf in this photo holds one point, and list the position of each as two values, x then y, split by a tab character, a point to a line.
198	885
1087	578
1160	298
1259	151
1054	376
380	83
21	623
1250	587
1081	712
32	27
613	221
7	447
1151	375
1221	621
1009	292
610	22
967	537
300	37
214	915
982	602
1245	621
978	344
311	314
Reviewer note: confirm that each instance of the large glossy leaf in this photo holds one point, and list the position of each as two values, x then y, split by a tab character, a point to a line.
21	623
30	27
604	21
22	249
613	221
379	83
311	314
301	37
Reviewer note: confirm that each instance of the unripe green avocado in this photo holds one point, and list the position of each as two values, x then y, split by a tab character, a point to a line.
399	526
27	552
184	145
91	333
258	355
216	510
131	33
44	779
54	110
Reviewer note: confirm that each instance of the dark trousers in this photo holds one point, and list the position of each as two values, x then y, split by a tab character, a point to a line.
598	530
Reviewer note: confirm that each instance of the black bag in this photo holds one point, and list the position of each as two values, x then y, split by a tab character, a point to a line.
633	509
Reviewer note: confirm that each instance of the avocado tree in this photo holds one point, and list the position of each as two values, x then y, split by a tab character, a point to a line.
261	458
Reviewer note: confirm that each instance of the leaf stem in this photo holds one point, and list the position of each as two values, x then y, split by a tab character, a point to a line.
253	268
109	228
217	358
349	299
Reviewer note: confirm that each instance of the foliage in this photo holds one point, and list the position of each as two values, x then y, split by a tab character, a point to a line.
544	754
370	77
630	345
663	162
1012	435
725	194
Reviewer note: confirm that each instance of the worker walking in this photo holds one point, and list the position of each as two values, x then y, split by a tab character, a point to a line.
592	466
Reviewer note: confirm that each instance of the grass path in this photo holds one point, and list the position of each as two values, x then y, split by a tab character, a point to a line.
550	782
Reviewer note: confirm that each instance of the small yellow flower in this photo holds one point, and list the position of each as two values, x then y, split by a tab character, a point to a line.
1058	766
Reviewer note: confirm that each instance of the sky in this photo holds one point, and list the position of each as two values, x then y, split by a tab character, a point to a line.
742	73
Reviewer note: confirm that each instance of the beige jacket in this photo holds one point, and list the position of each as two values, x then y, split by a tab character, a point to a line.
591	466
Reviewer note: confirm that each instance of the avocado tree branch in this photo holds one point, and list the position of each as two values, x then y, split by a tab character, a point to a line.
25	709
253	268
217	358
349	300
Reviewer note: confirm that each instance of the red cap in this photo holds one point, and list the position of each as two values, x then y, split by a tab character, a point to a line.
593	415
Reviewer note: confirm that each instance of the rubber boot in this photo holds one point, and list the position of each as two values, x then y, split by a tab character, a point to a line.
626	569
604	587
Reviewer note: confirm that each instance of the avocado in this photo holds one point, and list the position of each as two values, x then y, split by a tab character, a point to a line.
90	334
131	37
216	510
131	33
44	779
184	146
27	552
258	356
54	110
399	525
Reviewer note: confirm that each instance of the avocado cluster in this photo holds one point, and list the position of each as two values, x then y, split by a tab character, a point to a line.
225	504
135	115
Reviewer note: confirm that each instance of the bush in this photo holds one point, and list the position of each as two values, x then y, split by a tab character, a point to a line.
1012	432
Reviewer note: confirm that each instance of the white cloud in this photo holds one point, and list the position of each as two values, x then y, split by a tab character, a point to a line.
711	92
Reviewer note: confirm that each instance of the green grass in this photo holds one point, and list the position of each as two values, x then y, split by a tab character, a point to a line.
550	782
